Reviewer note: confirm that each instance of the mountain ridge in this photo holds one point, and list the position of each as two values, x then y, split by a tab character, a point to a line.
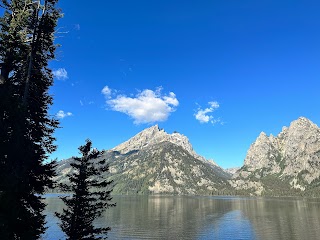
293	157
155	135
155	162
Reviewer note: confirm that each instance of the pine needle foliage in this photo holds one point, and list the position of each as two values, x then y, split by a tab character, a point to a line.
91	196
26	128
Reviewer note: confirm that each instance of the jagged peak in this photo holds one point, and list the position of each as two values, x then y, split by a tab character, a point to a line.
294	144
149	136
272	138
303	119
302	122
262	136
154	128
155	135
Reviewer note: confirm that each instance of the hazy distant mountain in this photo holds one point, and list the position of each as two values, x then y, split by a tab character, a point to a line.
283	165
154	161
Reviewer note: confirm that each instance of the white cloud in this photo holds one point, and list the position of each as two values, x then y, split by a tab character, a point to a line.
203	116
214	105
60	74
106	91
171	99
61	114
145	107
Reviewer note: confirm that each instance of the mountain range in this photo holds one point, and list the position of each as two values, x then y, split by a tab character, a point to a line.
156	162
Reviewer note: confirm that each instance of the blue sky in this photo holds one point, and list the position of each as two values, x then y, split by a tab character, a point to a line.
219	72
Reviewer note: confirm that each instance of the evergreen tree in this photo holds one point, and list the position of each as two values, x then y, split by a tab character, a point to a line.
91	196
26	46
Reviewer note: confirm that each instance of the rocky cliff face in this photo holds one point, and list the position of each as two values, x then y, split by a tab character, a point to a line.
154	161
233	170
155	135
292	157
165	168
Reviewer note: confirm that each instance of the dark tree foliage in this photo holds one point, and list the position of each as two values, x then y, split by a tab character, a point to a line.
26	129
91	196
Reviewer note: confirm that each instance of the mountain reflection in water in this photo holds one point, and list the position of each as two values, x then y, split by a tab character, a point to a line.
193	217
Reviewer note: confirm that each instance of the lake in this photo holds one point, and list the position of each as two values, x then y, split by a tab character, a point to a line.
202	217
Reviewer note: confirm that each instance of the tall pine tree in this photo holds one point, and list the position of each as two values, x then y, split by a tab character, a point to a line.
26	46
91	196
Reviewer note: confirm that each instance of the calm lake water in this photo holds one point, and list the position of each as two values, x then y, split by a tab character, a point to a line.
192	217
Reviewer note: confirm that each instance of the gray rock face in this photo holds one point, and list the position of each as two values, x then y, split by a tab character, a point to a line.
293	156
155	135
165	168
155	162
300	144
233	170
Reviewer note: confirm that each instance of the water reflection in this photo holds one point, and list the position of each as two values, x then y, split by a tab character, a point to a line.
161	217
232	225
283	218
187	217
53	204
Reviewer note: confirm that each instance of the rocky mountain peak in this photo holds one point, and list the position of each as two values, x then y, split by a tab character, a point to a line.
262	134
301	125
262	137
154	128
154	161
294	154
140	140
264	151
301	121
154	135
261	153
151	131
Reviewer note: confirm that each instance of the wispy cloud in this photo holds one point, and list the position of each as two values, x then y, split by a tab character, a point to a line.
84	102
106	91
61	114
205	116
77	27
147	106
60	74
